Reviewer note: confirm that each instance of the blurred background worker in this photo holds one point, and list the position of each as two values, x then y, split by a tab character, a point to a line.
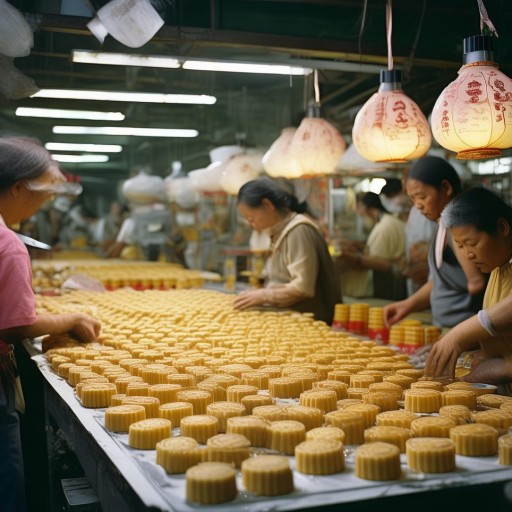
300	271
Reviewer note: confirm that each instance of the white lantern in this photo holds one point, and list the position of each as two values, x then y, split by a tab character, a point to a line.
317	145
131	22
390	127
182	192
239	170
144	189
278	162
473	115
352	162
16	38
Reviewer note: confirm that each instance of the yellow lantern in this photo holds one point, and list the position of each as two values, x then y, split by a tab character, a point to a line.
473	115
390	127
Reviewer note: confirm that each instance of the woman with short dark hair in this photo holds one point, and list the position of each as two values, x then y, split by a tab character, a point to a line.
480	222
28	178
299	272
454	290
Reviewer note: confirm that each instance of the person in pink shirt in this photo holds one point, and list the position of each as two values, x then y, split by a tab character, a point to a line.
28	178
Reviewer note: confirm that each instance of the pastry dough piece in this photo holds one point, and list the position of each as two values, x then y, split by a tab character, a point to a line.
199	399
430	454
209	483
319	457
252	427
283	436
177	454
399	418
460	414
326	433
144	434
334	385
224	410
378	461
423	400
368	411
432	426
465	397
285	387
267	475
323	399
388	434
119	418
97	394
200	427
150	403
475	439
252	401
231	448
351	422
500	419
310	417
175	411
165	392
505	450
384	401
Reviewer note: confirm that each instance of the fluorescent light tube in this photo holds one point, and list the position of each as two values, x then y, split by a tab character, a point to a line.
69	114
123	130
78	159
69	146
246	67
124	59
139	97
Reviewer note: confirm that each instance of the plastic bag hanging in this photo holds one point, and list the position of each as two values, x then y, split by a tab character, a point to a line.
131	22
16	38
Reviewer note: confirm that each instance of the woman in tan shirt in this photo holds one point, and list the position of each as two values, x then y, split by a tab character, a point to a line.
300	271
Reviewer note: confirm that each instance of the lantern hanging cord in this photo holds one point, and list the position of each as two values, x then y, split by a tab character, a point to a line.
484	19
316	87
361	29
389	30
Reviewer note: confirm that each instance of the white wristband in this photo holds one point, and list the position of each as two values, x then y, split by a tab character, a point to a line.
485	322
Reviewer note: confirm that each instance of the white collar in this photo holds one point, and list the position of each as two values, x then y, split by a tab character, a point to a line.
2	221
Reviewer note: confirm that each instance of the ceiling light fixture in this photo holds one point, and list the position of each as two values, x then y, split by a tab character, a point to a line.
69	114
124	59
246	67
69	146
124	130
138	97
78	159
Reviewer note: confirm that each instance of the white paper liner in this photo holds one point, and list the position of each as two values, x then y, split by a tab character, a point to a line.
142	472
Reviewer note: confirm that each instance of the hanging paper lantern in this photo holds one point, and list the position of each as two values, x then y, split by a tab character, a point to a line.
352	162
473	115
390	127
316	145
278	161
239	170
144	189
16	36
131	22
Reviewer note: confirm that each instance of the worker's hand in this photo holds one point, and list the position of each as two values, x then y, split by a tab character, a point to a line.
86	328
251	298
443	357
350	259
394	312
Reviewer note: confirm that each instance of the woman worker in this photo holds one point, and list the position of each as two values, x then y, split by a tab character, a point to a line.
300	272
481	225
378	265
454	290
28	178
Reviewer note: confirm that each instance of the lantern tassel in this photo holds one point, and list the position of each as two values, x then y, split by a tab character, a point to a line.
484	19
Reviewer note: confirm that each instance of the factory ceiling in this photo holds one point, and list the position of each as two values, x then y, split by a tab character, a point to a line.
345	40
